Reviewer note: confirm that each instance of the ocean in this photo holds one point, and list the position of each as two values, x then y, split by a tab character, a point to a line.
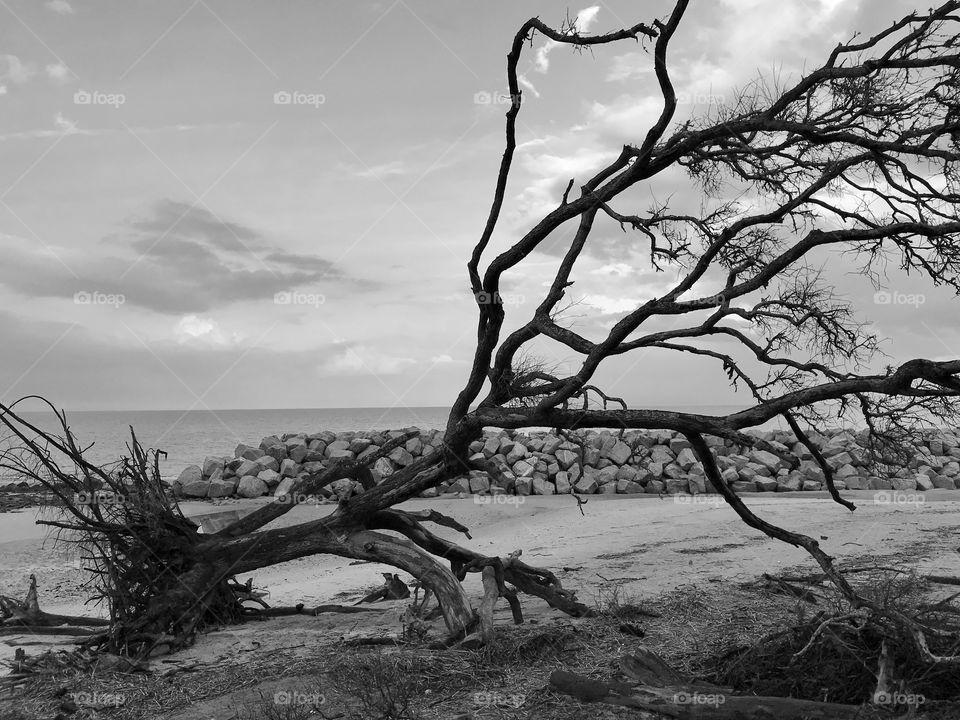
189	436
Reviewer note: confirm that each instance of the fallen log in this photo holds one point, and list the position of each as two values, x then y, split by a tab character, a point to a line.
654	686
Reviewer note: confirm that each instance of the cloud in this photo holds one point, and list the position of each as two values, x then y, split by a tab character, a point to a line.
58	72
365	360
60	7
203	330
584	20
395	167
178	260
16	71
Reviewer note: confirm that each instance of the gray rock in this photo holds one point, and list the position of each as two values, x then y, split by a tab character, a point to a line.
195	488
358	445
627	487
811	485
311	468
677	485
587	485
299	453
619	453
335	446
277	451
517	453
247	467
766	484
479	483
221	488
190	474
924	482
686	459
270	477
289	468
654	487
697	483
285	486
678	444
211	465
382	468
766	459
268	462
566	458
523	468
251	487
742	486
524	486
401	456
609	488
790	483
943	482
542	486
661	454
460	485
562	482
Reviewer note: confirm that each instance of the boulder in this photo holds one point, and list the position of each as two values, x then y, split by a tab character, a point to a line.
270	477
268	462
190	474
654	487
517	453
382	468
766	484
904	483
661	454
587	485
524	486
247	467
628	487
337	445
401	456
221	488
478	483
562	482
195	488
939	481
251	487
766	459
299	453
742	486
674	486
523	468
460	485
247	453
211	465
289	468
678	444
791	483
609	488
811	485
566	458
924	482
686	459
619	453
358	445
285	486
277	451
542	486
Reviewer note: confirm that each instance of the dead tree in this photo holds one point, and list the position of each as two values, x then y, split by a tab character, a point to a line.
878	120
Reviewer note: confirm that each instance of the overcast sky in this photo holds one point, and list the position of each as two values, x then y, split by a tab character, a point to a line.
167	168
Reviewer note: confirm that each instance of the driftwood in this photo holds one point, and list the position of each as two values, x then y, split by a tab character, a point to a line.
26	615
654	686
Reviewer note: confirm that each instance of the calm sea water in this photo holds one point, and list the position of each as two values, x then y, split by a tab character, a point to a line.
188	436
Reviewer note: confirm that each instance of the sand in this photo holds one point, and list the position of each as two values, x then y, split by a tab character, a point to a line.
644	544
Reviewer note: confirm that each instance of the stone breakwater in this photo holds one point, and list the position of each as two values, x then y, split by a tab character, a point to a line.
541	463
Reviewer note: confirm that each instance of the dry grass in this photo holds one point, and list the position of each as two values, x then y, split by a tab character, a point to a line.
712	632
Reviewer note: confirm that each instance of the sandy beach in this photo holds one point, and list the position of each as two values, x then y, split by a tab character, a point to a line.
643	545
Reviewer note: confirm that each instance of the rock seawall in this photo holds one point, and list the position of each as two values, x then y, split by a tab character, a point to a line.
605	461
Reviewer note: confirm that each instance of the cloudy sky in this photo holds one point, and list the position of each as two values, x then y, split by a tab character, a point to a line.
238	204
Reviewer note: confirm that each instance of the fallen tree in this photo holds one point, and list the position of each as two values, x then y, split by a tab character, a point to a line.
878	121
